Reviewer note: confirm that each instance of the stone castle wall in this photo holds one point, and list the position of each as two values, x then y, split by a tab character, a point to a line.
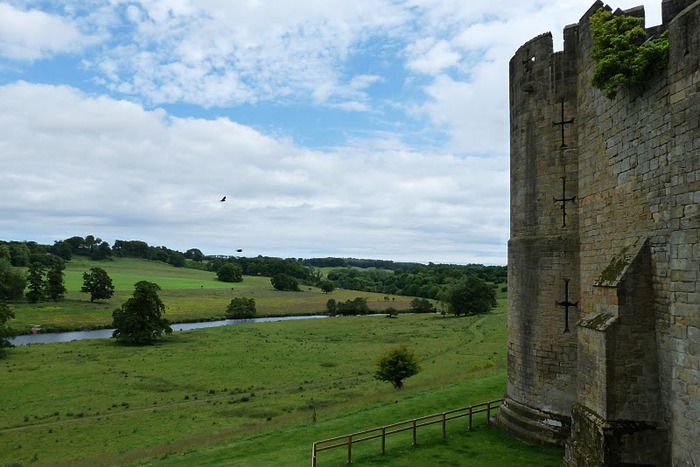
624	382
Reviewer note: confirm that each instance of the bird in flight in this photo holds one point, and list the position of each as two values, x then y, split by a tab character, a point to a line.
223	199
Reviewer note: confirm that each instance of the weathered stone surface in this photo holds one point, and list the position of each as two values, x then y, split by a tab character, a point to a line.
605	200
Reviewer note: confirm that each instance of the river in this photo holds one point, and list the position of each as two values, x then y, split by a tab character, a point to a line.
53	337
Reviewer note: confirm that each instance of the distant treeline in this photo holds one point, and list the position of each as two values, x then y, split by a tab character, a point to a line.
360	263
367	275
428	281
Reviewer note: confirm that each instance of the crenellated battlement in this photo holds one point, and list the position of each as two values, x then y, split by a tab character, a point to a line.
604	252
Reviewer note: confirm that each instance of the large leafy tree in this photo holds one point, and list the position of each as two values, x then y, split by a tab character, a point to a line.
471	296
62	249
356	306
230	272
19	254
422	305
98	284
285	283
36	284
5	333
397	364
241	308
54	286
327	286
139	320
194	254
12	281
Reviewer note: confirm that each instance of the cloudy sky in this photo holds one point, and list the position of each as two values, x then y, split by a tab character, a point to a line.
367	128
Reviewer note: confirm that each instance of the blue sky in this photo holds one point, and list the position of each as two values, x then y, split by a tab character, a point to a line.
371	129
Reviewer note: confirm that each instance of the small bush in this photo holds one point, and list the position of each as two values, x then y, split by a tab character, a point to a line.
625	56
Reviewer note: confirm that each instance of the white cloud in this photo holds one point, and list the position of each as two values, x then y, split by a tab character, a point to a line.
431	57
33	34
75	164
228	53
80	163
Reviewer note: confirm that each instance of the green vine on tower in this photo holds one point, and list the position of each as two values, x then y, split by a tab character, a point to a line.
625	56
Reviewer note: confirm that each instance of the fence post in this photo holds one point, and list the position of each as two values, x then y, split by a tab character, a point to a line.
383	440
349	449
414	432
313	456
488	412
471	413
444	428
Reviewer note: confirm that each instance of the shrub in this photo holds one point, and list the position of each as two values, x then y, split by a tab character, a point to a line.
625	57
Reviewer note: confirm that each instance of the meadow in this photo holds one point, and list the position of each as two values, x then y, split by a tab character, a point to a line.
256	394
189	295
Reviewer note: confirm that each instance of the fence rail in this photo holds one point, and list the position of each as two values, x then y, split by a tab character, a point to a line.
383	431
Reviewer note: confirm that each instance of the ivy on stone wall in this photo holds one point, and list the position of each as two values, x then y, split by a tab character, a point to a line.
625	56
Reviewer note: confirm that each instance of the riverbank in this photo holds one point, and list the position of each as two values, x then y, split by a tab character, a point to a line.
70	336
189	296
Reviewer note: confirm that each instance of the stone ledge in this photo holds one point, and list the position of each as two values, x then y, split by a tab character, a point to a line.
533	425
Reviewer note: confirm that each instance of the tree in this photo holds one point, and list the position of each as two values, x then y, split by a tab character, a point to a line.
356	306
19	254
471	296
5	332
62	249
241	308
194	254
422	305
327	286
230	272
12	281
100	251
331	307
36	282
98	284
54	288
139	319
396	365
5	252
285	283
176	259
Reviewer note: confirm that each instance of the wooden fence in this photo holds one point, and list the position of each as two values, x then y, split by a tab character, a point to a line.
383	431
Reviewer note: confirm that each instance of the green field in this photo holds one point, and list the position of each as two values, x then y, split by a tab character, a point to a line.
188	294
254	394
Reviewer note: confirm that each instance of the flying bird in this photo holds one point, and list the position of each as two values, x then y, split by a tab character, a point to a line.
223	199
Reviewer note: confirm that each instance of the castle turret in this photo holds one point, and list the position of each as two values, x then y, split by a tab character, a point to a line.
604	252
543	250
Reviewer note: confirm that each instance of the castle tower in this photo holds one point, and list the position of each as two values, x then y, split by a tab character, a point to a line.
543	252
604	254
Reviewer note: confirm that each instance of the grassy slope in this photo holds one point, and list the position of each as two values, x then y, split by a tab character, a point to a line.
242	395
189	295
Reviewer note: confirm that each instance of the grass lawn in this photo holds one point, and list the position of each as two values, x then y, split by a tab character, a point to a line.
188	294
245	395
